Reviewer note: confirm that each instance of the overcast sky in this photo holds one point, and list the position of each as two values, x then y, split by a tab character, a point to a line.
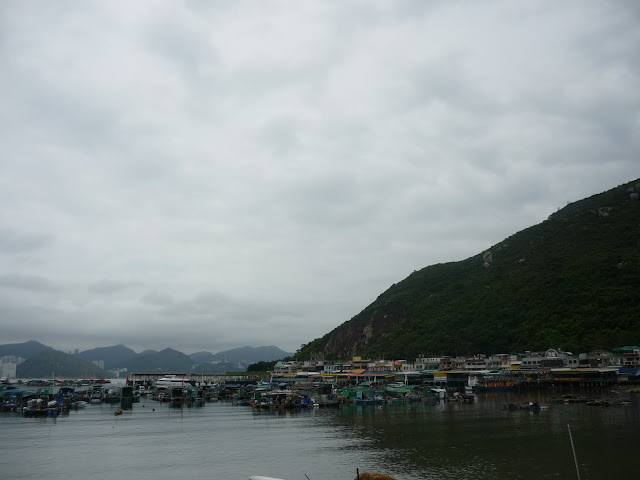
208	175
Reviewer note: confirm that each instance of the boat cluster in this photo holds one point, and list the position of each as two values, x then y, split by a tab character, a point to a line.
265	394
35	404
595	402
531	406
39	399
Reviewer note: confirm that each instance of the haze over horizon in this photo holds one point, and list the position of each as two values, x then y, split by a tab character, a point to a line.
205	176
72	351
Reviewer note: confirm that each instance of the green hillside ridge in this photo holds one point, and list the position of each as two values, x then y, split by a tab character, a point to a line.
200	357
220	367
60	364
571	282
236	359
166	360
243	355
113	357
23	350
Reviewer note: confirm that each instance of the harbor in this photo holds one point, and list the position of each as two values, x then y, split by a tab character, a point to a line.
409	440
309	389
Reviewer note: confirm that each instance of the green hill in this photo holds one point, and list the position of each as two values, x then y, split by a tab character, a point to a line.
236	359
167	360
24	350
242	355
200	357
571	282
54	362
113	357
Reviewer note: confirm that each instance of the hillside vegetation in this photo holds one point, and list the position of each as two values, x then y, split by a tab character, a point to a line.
53	362
120	356
167	360
571	282
113	357
24	350
242	355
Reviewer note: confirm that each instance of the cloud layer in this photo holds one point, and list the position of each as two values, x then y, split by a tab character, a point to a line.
206	175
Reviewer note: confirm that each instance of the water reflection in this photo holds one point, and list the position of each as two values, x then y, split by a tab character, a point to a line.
460	441
485	440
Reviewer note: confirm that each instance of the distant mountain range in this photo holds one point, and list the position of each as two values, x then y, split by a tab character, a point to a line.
242	355
236	359
42	360
113	357
49	363
167	360
23	350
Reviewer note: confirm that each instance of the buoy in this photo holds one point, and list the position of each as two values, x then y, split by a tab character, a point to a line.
118	412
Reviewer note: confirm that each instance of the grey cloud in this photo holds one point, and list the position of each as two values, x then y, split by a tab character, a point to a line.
12	242
274	158
324	199
27	282
184	43
157	299
107	287
219	307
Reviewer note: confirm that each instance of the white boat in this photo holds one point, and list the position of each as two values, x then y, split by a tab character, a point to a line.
171	380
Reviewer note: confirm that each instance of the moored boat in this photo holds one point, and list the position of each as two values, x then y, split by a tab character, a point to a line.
171	381
37	407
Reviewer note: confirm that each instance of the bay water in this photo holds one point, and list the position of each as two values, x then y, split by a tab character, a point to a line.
480	440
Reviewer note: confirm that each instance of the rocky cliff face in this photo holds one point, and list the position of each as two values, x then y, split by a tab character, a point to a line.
353	337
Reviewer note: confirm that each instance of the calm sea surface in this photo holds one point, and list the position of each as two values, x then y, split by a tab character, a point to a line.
408	441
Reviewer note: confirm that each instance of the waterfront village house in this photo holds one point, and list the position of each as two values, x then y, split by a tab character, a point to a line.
477	362
599	358
285	367
451	363
407	367
550	359
625	357
360	363
499	361
446	363
335	368
458	363
427	363
380	366
628	356
401	366
313	365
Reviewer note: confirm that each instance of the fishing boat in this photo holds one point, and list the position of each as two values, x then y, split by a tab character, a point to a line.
375	400
128	397
38	408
